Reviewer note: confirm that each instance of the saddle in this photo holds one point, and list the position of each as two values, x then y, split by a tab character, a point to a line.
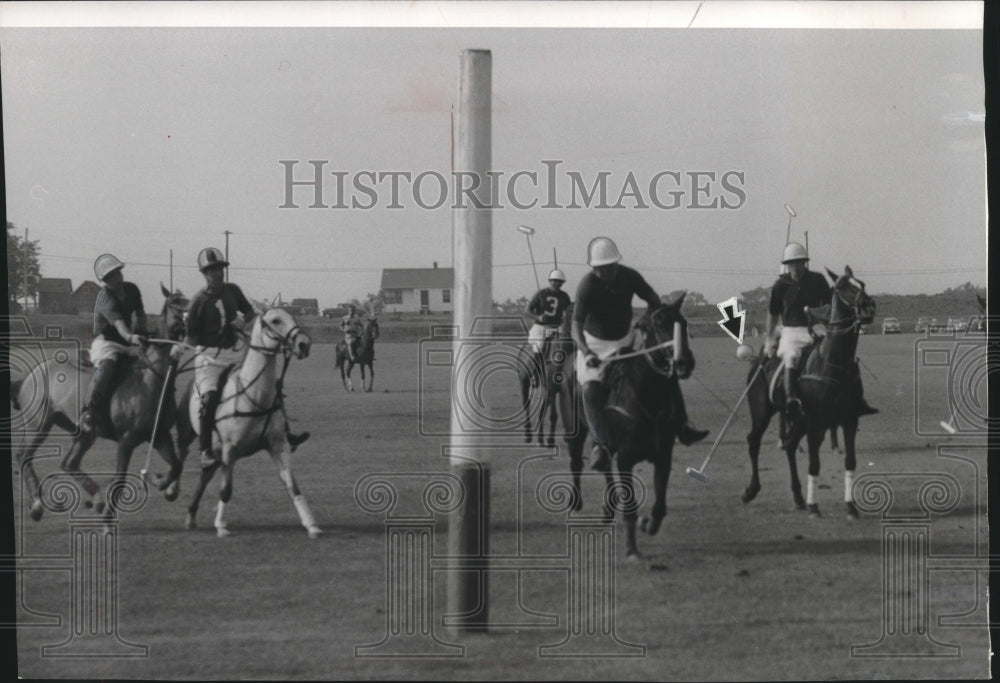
810	366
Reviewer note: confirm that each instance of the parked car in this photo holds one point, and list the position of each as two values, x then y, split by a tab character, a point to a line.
957	324
925	325
336	312
891	326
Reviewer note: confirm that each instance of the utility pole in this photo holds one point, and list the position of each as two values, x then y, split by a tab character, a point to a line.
171	271
227	233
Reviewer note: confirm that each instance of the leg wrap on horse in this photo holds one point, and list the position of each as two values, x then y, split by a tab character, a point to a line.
595	395
206	419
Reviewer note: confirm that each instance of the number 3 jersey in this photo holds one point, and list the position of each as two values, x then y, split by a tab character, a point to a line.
549	305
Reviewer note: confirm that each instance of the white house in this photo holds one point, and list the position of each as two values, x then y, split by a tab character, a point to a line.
417	289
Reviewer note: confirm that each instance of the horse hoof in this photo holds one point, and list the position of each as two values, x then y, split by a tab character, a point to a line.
814	511
800	504
577	504
749	493
37	509
644	524
852	512
633	555
171	492
221	532
314	532
189	522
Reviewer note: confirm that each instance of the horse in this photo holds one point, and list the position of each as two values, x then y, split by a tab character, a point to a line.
365	356
555	350
132	408
250	416
640	409
826	387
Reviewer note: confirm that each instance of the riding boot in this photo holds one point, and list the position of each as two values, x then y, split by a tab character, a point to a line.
536	368
95	420
595	395
793	404
687	433
206	427
863	407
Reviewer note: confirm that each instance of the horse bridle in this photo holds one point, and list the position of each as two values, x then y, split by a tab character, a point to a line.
854	322
668	368
284	345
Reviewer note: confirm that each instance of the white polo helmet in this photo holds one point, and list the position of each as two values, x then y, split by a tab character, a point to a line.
557	275
794	252
209	257
601	251
105	265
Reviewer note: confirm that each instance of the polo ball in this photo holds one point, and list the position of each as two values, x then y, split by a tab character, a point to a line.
744	352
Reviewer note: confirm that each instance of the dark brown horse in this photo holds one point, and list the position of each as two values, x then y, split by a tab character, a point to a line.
548	368
365	356
830	395
133	407
641	414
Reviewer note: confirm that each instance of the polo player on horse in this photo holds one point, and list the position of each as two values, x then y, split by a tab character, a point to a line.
118	307
547	308
352	325
215	316
601	327
793	296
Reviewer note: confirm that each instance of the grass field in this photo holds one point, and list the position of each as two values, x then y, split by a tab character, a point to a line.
726	591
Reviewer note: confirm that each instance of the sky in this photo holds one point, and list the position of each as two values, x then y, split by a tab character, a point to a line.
142	140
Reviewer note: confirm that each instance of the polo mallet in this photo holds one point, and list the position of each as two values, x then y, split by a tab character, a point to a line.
528	232
788	232
156	423
699	474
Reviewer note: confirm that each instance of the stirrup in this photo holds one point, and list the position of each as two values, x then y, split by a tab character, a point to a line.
208	459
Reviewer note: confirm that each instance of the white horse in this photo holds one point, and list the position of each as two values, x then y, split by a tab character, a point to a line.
250	416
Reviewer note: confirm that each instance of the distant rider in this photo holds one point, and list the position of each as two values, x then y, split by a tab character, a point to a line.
547	308
352	325
602	325
118	304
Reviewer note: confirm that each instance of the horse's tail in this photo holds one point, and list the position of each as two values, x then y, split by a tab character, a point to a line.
15	391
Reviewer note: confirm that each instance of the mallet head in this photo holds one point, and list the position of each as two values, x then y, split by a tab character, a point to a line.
697	474
526	230
946	426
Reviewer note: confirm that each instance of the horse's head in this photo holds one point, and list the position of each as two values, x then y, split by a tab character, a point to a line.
850	298
370	329
173	314
666	327
275	331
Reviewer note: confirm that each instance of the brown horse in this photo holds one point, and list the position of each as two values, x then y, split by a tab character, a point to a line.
365	356
548	368
640	412
133	408
830	395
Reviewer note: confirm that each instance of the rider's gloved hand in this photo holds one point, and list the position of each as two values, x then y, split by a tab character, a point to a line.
137	340
176	351
770	346
592	360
